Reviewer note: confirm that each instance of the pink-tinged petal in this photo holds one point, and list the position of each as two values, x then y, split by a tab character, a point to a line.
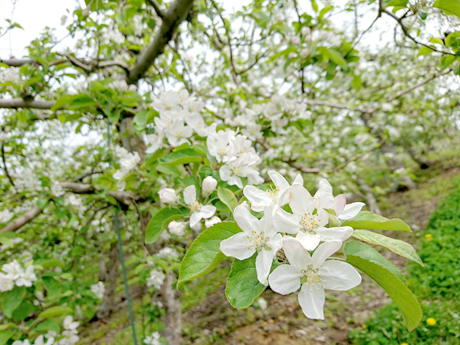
311	299
308	240
275	243
207	211
286	222
351	210
279	181
339	275
237	246
298	180
266	223
301	201
340	233
190	194
285	279
195	219
258	198
264	262
340	202
295	253
245	220
324	251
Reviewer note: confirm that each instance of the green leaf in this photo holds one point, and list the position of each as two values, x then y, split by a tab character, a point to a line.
159	222
397	3
140	119
204	254
52	286
48	325
356	83
243	287
62	102
369	220
80	101
12	299
364	259
5	336
227	197
334	56
446	61
448	6
6	326
181	157
42	202
425	51
396	246
436	41
24	310
55	311
52	263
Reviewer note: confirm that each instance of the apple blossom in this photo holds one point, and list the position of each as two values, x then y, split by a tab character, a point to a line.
156	279
209	184
258	236
197	210
279	196
168	195
210	222
98	289
27	277
177	228
313	274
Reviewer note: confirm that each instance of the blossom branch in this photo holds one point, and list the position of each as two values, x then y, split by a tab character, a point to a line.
5	167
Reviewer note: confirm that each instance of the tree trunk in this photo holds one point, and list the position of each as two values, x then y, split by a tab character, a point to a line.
172	318
370	198
111	275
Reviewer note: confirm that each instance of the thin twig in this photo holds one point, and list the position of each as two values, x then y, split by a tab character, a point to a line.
5	167
157	8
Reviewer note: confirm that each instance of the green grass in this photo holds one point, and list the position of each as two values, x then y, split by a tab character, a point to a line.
437	285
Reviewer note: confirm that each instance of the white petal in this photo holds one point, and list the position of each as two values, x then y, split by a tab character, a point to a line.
190	194
195	218
279	181
275	242
323	188
298	180
340	202
245	220
301	201
286	222
308	240
311	299
295	253
207	211
351	210
266	223
285	279
264	262
237	247
338	275
258	198
340	233
324	251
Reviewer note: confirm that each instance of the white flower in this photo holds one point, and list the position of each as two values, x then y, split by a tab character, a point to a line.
313	275
41	340
27	278
168	100
155	140
156	279
295	39
213	221
23	342
178	134
219	145
167	195
153	339
167	252
258	236
63	19
6	283
233	171
56	189
209	184
13	270
128	162
5	216
70	338
305	31
197	210
70	324
344	211
98	289
310	216
304	52
260	199
177	228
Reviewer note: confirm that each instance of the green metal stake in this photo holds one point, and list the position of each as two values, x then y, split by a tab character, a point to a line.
122	259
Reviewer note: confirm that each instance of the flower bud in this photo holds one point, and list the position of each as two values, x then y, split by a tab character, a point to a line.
177	228
210	222
295	39
197	227
209	184
305	31
168	195
304	52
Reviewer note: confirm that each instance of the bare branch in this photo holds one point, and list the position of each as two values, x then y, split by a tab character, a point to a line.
16	103
87	65
176	14
157	8
5	167
21	221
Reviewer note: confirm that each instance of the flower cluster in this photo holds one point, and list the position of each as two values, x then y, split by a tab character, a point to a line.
69	335
153	339
314	219
98	289
128	162
156	279
180	116
13	274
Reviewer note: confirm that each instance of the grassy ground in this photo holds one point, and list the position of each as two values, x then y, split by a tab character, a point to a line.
209	319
